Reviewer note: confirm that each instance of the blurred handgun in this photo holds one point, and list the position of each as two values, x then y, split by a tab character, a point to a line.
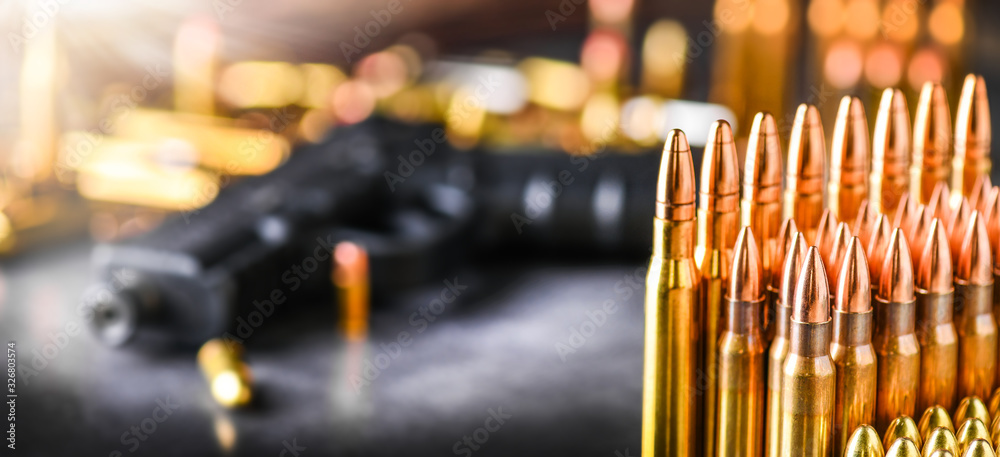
416	205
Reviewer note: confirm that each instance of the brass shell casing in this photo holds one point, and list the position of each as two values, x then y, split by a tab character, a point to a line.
808	392
672	340
938	350
977	339
741	382
775	362
855	362
898	352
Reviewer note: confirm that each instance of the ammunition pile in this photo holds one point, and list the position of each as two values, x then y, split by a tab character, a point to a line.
875	295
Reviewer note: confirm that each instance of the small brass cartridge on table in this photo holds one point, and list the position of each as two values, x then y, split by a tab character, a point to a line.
673	329
741	356
974	320
931	143
895	336
804	194
809	384
718	219
890	174
850	156
851	349
935	323
972	136
795	254
227	375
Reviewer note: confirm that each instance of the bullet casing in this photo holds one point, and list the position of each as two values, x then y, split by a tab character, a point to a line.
898	353
775	363
855	363
741	382
938	350
977	339
808	392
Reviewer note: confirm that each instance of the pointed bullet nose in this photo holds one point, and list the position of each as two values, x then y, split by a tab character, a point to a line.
825	232
877	246
901	427
864	442
746	278
720	174
903	216
795	256
934	417
939	202
935	271
812	291
891	145
957	224
841	242
849	151
786	235
903	448
806	148
762	170
972	122
919	231
896	277
865	221
975	262
980	193
854	286
675	195
932	128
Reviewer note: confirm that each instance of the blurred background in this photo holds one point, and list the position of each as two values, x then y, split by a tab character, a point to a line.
510	321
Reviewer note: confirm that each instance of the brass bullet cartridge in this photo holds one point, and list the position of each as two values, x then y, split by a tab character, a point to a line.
931	143
940	202
934	417
875	250
895	338
864	442
229	378
971	408
941	439
890	174
784	239
902	427
825	232
809	381
974	320
851	349
936	333
673	327
920	232
972	136
904	216
980	193
741	355
804	194
718	218
795	254
841	242
849	159
865	222
903	448
979	448
760	206
957	224
972	429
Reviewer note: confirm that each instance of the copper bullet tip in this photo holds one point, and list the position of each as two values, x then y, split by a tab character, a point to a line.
957	224
849	152
980	193
919	229
812	291
932	128
939	201
762	170
841	242
896	277
746	278
790	269
891	144
975	259
934	273
806	151
675	195
854	285
825	232
905	212
877	246
972	120
786	235
720	174
865	221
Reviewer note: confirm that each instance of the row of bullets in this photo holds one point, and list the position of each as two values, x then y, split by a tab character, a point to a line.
886	313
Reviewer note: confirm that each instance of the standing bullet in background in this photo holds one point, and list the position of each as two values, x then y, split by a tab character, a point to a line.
849	159
809	382
851	349
741	355
804	194
673	328
931	143
974	321
718	219
890	174
760	208
795	254
935	327
972	136
895	339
